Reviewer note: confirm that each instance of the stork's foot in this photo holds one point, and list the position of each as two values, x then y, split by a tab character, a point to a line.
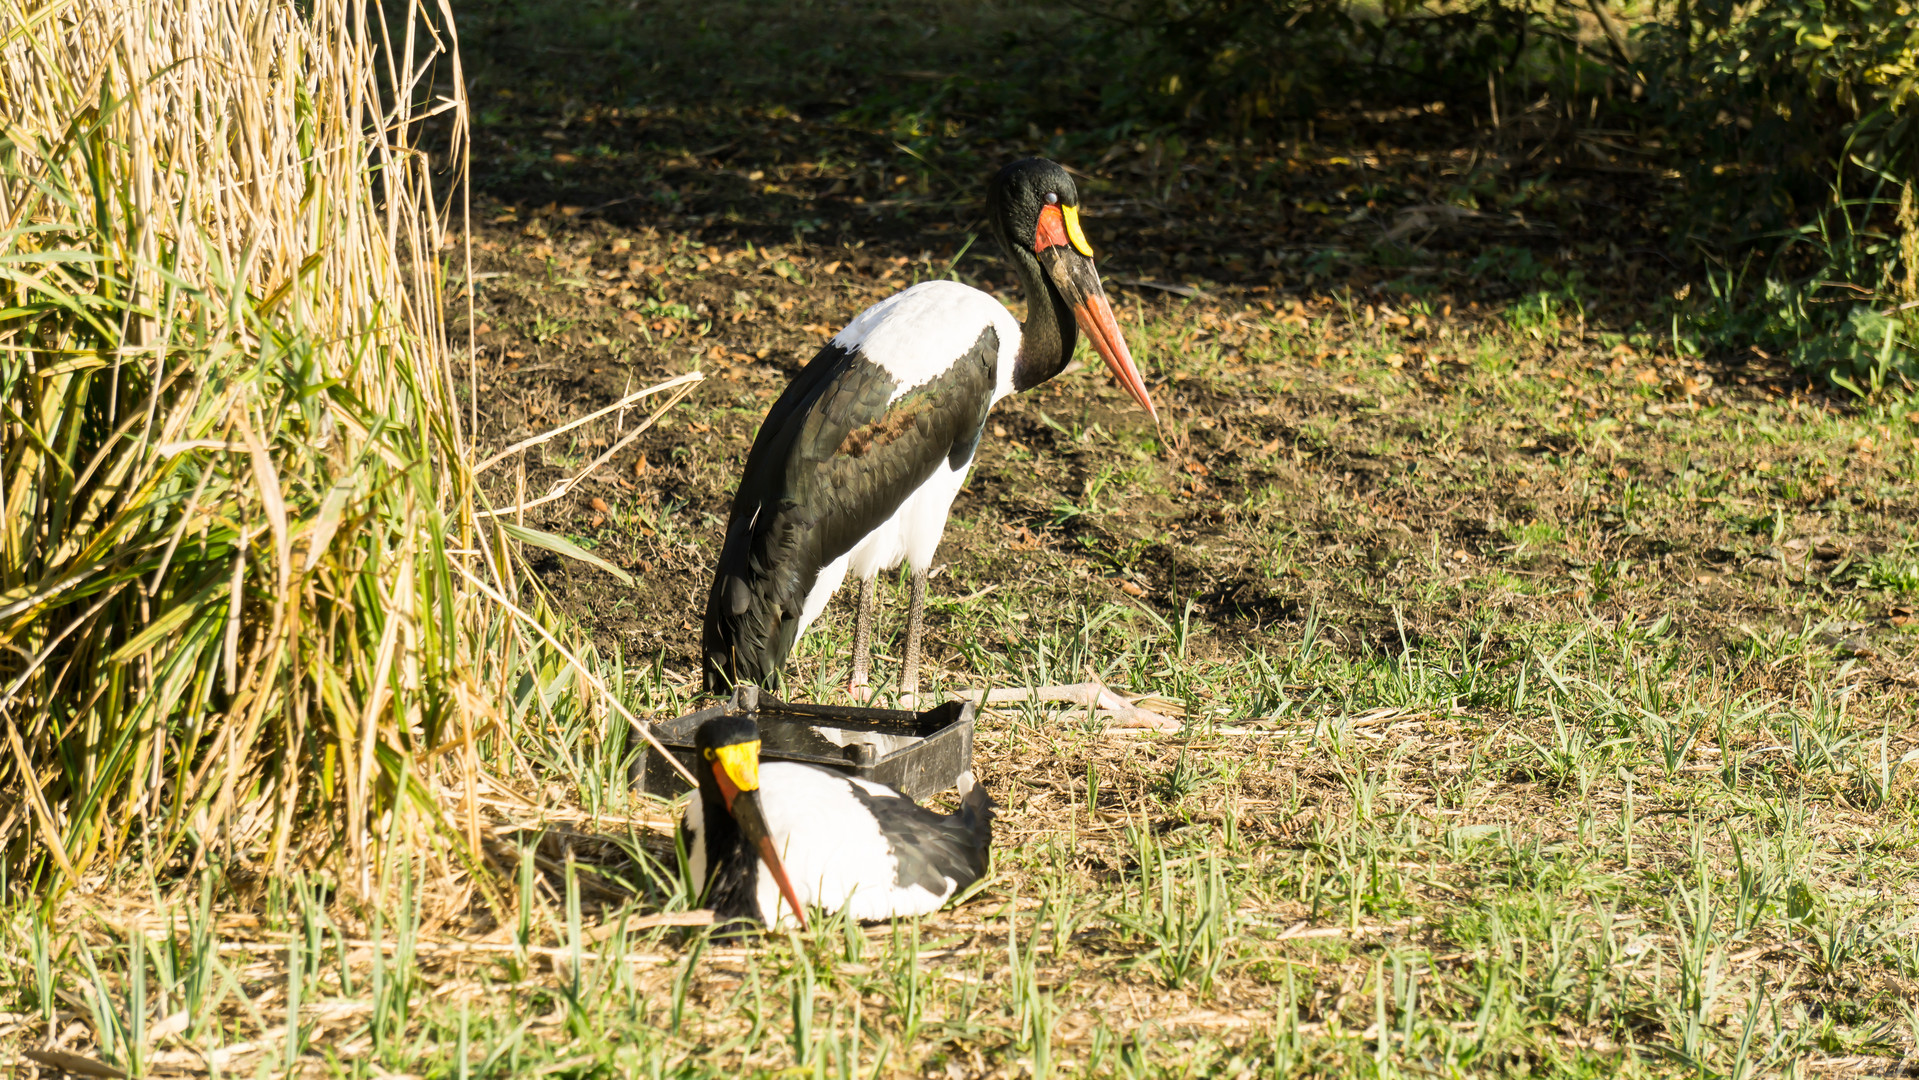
859	689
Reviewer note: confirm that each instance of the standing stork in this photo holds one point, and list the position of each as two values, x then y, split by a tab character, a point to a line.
857	464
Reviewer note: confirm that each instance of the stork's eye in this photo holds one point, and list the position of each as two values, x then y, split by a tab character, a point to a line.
1052	198
708	752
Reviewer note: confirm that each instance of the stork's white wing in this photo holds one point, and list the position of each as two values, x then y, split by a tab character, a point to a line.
833	848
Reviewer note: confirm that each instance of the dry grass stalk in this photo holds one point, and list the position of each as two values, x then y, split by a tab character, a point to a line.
238	526
619	406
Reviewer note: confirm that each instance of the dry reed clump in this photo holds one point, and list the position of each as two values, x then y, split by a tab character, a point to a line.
240	566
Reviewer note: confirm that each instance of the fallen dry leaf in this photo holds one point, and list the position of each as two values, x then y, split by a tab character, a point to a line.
1023	540
73	1063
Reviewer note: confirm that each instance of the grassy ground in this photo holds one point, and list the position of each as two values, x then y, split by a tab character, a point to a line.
1548	685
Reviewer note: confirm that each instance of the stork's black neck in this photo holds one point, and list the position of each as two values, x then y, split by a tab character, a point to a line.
732	869
1048	335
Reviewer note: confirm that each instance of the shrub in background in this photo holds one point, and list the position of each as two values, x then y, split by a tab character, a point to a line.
1767	104
1244	62
1793	123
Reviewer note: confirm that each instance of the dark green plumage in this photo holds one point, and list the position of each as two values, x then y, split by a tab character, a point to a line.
832	461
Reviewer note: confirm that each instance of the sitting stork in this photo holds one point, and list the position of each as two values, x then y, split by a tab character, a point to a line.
756	834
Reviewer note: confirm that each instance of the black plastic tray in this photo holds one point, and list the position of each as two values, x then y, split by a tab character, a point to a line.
920	753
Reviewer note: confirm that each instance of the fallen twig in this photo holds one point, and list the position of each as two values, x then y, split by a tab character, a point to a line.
628	400
1187	291
1093	695
685	383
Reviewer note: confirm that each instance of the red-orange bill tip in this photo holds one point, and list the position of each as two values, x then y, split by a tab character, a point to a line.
773	863
1096	320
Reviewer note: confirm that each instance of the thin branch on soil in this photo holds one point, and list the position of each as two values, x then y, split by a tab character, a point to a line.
1121	712
560	489
625	402
585	672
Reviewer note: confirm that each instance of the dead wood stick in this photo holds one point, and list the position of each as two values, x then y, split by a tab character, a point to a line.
623	403
1092	695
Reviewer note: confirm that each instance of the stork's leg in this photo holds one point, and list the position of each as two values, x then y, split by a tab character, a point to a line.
858	686
910	667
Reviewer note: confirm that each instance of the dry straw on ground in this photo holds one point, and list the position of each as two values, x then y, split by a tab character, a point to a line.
238	547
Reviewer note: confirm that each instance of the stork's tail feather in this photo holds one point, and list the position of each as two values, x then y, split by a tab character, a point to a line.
752	605
976	811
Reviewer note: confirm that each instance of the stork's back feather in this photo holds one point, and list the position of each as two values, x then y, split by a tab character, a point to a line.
838	453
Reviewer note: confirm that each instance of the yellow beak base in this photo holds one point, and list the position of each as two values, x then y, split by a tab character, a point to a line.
742	764
1074	233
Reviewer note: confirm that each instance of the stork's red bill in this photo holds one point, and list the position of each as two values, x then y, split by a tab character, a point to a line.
1063	250
736	768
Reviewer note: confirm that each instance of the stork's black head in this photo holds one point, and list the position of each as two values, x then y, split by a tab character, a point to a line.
725	731
1033	206
1020	192
729	749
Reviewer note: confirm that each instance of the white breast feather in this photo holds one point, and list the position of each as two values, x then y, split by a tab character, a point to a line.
923	519
823	588
831	845
911	535
917	333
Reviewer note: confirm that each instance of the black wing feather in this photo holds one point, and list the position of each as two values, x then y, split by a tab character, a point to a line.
929	848
832	461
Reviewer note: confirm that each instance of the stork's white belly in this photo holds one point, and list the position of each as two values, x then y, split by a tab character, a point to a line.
913	533
911	536
833	849
823	588
912	336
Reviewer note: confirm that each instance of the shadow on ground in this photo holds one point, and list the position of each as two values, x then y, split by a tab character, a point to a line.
1346	326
